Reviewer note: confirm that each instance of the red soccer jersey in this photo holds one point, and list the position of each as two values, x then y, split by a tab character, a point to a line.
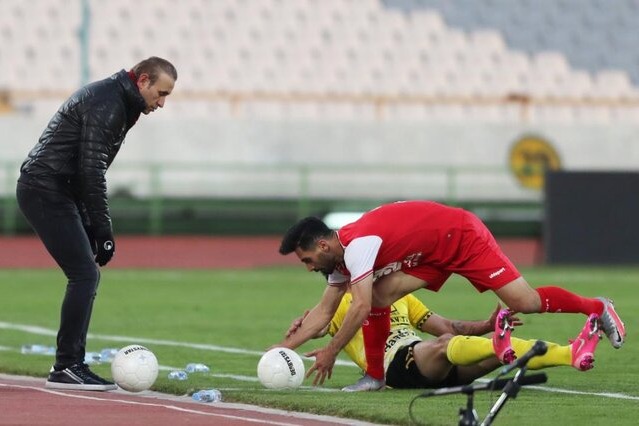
425	239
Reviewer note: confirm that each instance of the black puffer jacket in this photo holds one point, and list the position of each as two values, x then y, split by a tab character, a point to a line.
80	142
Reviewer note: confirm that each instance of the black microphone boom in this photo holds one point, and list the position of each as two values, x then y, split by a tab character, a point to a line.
539	348
495	384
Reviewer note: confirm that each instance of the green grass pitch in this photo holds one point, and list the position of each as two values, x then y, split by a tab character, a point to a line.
226	318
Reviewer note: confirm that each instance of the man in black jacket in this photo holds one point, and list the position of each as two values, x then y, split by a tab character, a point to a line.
63	194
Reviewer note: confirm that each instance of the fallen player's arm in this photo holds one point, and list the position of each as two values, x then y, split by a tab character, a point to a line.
438	325
317	319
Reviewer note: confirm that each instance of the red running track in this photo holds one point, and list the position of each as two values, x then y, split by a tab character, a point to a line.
25	401
197	252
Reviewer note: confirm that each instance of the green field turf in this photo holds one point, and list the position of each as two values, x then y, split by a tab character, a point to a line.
235	315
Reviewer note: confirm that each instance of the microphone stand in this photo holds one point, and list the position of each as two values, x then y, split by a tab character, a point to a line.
468	415
510	391
512	387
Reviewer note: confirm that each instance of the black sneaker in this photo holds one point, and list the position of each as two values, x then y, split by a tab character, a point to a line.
78	377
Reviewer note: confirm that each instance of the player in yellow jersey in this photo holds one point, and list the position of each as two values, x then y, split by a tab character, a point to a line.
458	355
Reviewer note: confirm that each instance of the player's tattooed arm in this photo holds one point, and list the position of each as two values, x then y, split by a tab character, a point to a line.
471	328
437	325
478	328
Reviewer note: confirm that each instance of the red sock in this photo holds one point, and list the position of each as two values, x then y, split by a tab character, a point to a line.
375	331
556	299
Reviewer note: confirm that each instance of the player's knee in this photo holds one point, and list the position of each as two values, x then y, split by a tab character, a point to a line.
520	297
528	305
441	343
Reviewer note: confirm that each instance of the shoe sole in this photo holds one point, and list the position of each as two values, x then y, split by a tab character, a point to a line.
347	389
608	320
585	363
365	386
586	360
79	386
503	330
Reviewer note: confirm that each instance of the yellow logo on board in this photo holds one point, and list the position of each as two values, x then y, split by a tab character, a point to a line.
530	157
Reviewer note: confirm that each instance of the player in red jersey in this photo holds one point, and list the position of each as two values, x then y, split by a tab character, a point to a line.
397	248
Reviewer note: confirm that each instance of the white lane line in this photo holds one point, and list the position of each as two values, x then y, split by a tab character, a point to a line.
574	392
128	339
48	332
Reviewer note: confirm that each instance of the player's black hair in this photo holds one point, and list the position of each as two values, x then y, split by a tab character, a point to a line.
304	234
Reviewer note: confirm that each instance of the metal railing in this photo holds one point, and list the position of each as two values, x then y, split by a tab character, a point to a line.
300	184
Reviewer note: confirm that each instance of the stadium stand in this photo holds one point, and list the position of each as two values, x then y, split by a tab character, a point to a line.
591	34
340	59
414	98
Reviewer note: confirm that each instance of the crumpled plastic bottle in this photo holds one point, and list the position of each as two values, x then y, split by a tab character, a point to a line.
91	358
178	375
107	354
196	367
207	395
37	350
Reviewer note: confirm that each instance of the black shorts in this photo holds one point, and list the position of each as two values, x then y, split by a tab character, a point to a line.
402	373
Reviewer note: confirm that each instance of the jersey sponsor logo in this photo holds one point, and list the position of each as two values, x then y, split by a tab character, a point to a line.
412	260
399	336
497	272
388	269
409	261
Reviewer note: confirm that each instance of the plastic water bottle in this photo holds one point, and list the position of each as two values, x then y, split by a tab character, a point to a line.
178	375
197	368
107	354
37	350
91	358
208	395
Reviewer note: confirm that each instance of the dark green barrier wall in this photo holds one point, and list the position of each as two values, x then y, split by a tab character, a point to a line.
262	217
592	217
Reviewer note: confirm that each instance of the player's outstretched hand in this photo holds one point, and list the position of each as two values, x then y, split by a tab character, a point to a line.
514	319
323	366
297	323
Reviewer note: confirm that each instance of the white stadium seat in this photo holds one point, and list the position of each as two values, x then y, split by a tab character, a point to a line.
429	48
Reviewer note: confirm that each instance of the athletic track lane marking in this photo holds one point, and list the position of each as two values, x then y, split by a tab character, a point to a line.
48	332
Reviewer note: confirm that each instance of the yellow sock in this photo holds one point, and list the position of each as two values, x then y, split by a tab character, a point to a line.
469	350
557	354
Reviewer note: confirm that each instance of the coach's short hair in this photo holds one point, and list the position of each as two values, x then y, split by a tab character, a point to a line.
304	234
153	66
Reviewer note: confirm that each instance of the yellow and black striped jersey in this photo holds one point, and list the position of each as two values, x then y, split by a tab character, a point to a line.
406	314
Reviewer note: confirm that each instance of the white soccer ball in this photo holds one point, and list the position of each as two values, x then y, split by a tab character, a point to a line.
281	368
134	368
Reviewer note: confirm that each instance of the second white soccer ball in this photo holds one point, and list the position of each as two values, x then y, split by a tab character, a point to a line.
134	368
281	368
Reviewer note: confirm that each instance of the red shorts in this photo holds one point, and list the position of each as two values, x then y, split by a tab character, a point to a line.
479	259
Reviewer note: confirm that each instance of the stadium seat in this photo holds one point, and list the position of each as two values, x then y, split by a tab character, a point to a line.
364	47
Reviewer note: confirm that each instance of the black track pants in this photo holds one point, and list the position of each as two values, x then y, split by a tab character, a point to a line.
55	218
